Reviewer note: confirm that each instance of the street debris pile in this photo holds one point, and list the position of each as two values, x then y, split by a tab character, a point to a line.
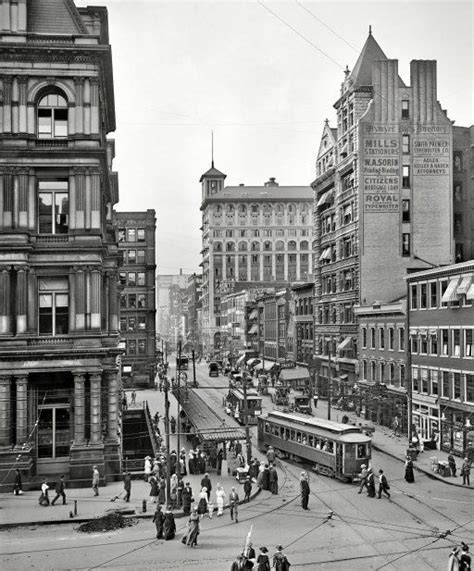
107	522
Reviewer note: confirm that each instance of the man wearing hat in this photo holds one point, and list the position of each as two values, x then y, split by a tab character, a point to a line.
280	562
305	490
363	477
95	480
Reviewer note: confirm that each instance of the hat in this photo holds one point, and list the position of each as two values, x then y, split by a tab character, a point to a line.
264	549
363	465
279	548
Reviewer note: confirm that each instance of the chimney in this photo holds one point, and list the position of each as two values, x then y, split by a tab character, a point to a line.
241	184
271	182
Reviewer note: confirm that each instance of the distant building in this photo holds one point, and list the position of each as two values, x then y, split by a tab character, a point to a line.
59	338
463	193
171	295
302	296
193	328
380	392
251	234
136	239
441	353
383	197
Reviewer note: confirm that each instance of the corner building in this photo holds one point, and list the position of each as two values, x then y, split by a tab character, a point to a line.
58	257
383	198
255	234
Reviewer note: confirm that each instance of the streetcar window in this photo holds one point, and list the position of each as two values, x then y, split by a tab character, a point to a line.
304	440
311	441
329	447
287	434
361	451
282	432
275	430
317	443
267	427
292	435
298	437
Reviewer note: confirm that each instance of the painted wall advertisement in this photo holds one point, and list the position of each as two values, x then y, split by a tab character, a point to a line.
431	155
381	170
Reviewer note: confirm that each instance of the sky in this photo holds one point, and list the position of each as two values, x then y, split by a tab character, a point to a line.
263	75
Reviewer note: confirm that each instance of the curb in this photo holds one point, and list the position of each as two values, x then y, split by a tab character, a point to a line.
418	469
79	520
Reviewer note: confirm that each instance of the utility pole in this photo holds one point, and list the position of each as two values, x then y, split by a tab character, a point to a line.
167	436
194	369
246	422
329	382
178	378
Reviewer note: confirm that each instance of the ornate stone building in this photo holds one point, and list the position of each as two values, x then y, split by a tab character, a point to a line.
59	381
136	240
251	234
384	183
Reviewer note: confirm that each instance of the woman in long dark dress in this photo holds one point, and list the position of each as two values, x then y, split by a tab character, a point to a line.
193	531
370	484
153	488
202	505
158	520
263	561
169	526
409	474
162	491
187	499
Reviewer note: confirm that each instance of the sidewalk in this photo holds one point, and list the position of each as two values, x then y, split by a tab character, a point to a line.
25	509
384	441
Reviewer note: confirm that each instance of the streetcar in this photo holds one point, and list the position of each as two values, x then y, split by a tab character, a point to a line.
234	404
334	449
182	363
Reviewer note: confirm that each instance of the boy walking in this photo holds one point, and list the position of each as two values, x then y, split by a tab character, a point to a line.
383	485
59	489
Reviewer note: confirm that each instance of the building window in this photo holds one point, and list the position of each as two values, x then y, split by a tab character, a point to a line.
131	235
456	336
132	256
52	117
416	380
405	176
402	375
132	301
433	295
53	306
434	382
373	371
131	347
433	343
390	338
141	322
445	384
405	109
121	234
406	210
132	279
457	386
53	207
401	339
414	343
406	247
123	301
423	296
132	323
372	337
140	234
141	301
424	344
142	346
406	144
468	342
469	388
444	341
123	324
140	256
413	297
382	338
364	338
123	278
141	279
457	191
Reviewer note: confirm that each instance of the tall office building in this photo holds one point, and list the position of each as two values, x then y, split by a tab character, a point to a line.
58	256
136	240
250	234
383	197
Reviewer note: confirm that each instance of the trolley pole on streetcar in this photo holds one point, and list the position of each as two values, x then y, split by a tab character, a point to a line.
178	378
329	382
194	369
246	421
167	436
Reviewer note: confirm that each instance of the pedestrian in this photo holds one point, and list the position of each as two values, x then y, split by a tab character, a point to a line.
59	489
466	472
17	486
266	477
409	473
147	468
162	491
383	485
220	456
187	498
173	461
263	561
202	502
202	462
158	520
44	498
305	490
248	489
206	483
127	485
95	480
220	498
124	402
452	463
459	558
169	526
153	488
250	556
363	477
234	505
192	462
173	424
193	529
273	479
396	426
210	508
370	484
179	493
134	397
239	563
280	562
270	455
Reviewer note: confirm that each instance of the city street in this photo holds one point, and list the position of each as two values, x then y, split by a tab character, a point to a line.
342	530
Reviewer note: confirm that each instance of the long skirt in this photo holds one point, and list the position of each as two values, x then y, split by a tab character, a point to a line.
220	505
202	506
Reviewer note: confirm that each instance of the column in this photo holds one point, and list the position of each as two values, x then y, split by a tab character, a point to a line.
7	102
96	425
20	299
5	396
21	410
112	404
113	302
31	200
32	296
22	104
95	298
79	300
87	107
79	408
298	266
5	307
94	81
78	84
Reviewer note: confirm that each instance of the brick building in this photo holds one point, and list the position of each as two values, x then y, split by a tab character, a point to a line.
136	240
59	380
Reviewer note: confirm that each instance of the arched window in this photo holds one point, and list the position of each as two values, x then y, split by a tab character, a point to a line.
267	246
291	209
242	246
52	116
291	245
304	245
230	246
280	245
217	247
217	210
255	247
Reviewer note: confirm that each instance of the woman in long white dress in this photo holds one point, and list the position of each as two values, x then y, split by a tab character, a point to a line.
220	498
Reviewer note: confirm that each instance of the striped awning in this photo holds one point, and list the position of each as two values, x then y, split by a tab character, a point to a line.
253	329
326	255
450	293
344	343
470	293
465	284
253	314
326	197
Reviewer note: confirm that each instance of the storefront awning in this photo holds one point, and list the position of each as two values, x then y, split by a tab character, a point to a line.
326	197
253	329
450	293
326	254
253	314
252	361
240	360
344	343
432	331
470	293
465	284
295	374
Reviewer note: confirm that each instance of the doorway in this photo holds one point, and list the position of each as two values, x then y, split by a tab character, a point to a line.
54	432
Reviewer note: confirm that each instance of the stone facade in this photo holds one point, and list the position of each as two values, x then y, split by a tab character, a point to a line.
251	234
59	380
136	240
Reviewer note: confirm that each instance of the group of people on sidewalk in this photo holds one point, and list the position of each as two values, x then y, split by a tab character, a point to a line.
367	481
248	559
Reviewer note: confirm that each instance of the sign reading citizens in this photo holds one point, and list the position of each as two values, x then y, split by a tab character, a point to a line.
381	173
